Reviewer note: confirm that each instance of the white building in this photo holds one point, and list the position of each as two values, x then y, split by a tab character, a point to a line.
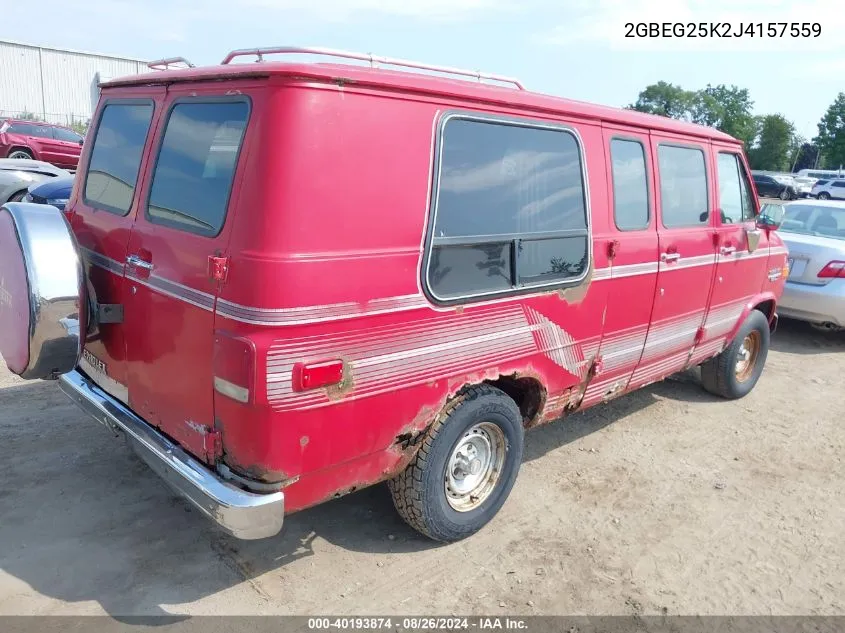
56	85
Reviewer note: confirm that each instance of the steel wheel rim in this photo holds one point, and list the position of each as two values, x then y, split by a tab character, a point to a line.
749	350
20	156
475	466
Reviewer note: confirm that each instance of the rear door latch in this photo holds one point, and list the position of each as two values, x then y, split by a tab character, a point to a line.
218	267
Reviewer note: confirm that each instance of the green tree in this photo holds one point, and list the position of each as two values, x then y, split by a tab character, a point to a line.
831	138
772	151
726	108
666	100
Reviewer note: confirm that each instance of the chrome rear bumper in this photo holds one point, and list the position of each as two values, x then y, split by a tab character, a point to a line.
243	514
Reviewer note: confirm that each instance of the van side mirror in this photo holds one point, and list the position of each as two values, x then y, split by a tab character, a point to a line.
771	217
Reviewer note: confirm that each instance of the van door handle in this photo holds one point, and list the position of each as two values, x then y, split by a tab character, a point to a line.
137	262
670	257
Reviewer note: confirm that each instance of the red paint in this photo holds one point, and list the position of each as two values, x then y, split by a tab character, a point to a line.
319	261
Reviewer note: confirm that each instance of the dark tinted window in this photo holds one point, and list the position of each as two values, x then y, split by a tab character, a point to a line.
66	135
116	155
683	186
31	129
196	165
503	191
821	182
838	184
630	186
734	193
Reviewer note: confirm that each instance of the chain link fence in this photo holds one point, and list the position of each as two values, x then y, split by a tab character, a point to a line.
77	122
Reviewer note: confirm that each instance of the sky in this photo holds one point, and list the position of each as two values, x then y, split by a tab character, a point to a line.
571	48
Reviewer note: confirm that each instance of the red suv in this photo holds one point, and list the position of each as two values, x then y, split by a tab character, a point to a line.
40	141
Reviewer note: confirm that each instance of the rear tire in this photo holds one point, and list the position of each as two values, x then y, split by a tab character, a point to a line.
733	373
17	197
465	468
21	154
824	195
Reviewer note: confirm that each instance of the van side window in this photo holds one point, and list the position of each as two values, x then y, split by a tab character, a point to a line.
116	156
196	165
630	184
734	192
510	209
683	186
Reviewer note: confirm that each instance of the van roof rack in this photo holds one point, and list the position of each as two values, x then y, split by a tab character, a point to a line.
259	53
165	64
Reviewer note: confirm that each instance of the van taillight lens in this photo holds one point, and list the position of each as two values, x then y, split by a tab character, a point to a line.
834	269
234	367
313	375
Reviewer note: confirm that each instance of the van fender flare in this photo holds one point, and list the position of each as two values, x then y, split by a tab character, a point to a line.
752	304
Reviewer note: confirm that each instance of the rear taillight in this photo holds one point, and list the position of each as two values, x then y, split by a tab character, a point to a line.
234	367
835	269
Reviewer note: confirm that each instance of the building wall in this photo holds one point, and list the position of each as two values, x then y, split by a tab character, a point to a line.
57	85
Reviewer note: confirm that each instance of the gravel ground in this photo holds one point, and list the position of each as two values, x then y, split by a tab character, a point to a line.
667	500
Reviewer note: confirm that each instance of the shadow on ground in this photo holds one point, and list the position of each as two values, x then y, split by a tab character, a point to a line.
84	520
798	337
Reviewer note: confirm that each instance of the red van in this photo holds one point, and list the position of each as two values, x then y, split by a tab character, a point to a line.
300	279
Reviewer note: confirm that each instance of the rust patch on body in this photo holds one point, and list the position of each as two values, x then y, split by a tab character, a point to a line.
345	386
577	293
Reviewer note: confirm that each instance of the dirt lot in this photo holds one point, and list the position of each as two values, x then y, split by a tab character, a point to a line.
667	499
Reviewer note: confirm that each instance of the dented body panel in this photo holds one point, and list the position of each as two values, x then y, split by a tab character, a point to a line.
321	259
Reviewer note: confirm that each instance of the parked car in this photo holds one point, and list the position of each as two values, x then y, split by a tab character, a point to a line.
55	192
814	233
829	174
829	190
273	325
771	187
804	186
33	140
16	176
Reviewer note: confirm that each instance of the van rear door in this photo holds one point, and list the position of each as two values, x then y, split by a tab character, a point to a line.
102	213
182	222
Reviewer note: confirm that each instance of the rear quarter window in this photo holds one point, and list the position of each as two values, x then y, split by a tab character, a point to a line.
196	164
510	210
116	156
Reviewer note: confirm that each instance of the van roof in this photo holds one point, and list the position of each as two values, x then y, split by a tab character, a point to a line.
421	83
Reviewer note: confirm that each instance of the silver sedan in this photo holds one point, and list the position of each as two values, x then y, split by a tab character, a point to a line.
16	176
814	232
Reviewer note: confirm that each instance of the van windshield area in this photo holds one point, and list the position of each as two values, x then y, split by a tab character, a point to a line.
814	220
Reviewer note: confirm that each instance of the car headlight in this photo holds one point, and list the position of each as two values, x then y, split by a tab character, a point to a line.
57	202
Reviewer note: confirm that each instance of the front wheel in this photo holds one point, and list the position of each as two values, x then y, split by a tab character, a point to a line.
824	195
21	154
733	373
465	468
784	195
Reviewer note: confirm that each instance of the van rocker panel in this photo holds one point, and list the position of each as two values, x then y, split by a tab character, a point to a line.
242	514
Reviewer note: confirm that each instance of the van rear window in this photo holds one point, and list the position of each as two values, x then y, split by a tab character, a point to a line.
196	164
116	156
510	209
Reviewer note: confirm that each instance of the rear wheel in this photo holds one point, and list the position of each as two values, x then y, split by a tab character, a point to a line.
733	373
465	468
824	195
17	197
21	154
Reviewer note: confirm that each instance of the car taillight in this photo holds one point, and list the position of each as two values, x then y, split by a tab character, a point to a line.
234	367
835	269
